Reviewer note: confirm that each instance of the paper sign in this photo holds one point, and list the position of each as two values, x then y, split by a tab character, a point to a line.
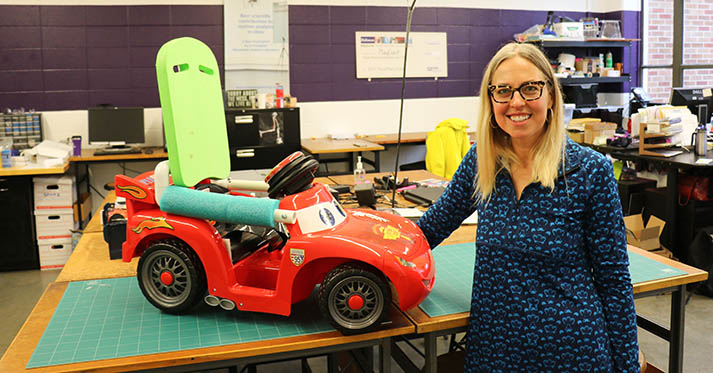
380	54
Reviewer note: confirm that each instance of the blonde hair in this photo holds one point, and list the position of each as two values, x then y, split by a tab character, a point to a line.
494	148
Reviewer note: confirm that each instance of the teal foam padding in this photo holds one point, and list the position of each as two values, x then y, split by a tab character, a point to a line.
221	207
106	319
454	277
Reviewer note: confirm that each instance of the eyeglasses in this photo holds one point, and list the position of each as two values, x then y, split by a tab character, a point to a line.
529	91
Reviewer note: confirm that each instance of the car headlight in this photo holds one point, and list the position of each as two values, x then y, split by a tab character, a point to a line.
405	262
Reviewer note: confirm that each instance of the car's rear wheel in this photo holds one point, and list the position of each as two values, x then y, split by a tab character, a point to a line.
171	276
354	299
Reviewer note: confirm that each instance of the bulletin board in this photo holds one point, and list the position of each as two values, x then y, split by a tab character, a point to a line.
381	54
256	34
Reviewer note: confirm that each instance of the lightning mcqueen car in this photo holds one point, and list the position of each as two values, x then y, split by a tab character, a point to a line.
355	255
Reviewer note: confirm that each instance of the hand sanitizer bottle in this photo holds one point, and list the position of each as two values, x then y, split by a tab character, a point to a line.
359	172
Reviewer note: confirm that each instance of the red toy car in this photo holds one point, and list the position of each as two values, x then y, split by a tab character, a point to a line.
355	255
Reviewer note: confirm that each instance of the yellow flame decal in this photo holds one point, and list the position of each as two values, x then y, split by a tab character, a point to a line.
389	232
152	223
133	191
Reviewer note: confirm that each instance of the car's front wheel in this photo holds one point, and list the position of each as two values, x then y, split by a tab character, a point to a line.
354	299
171	276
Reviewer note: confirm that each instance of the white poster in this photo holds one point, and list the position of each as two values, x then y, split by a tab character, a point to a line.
381	54
256	34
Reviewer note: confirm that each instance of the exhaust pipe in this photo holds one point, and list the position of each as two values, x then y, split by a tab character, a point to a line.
227	304
212	300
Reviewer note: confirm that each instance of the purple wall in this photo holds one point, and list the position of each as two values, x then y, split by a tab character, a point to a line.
322	65
74	57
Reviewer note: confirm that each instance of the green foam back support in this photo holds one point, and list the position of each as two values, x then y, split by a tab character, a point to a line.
193	114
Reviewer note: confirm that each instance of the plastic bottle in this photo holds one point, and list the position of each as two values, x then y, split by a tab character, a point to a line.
359	172
610	61
279	95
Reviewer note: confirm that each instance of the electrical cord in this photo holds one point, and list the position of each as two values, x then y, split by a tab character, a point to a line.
401	109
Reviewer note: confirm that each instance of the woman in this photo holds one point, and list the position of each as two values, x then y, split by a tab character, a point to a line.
551	285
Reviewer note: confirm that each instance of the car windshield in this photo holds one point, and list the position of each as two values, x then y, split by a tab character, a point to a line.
322	216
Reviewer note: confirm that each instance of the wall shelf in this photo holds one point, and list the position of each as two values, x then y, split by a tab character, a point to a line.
591	43
598	79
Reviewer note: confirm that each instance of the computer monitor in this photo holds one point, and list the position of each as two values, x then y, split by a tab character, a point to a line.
693	98
116	126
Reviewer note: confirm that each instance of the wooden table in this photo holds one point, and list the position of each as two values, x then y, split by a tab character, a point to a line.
319	146
406	138
392	138
34	169
465	233
432	327
22	347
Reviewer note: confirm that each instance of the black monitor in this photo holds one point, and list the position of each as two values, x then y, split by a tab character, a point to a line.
116	126
693	98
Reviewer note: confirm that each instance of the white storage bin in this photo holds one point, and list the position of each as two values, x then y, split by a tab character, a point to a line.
54	192
54	252
54	223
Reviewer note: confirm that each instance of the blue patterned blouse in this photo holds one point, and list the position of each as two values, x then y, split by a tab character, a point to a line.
551	285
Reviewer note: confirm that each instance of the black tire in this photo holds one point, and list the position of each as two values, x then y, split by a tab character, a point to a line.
346	281
176	262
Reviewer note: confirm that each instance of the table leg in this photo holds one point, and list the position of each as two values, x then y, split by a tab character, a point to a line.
385	355
377	164
78	188
332	362
671	203
675	348
431	365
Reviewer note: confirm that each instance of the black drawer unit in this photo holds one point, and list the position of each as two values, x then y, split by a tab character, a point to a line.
18	247
260	138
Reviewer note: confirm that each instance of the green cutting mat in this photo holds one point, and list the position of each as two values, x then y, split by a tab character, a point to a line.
105	319
645	269
454	280
454	277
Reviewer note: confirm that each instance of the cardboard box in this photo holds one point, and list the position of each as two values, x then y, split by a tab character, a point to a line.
576	136
647	237
54	192
666	253
86	207
54	252
54	223
595	130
